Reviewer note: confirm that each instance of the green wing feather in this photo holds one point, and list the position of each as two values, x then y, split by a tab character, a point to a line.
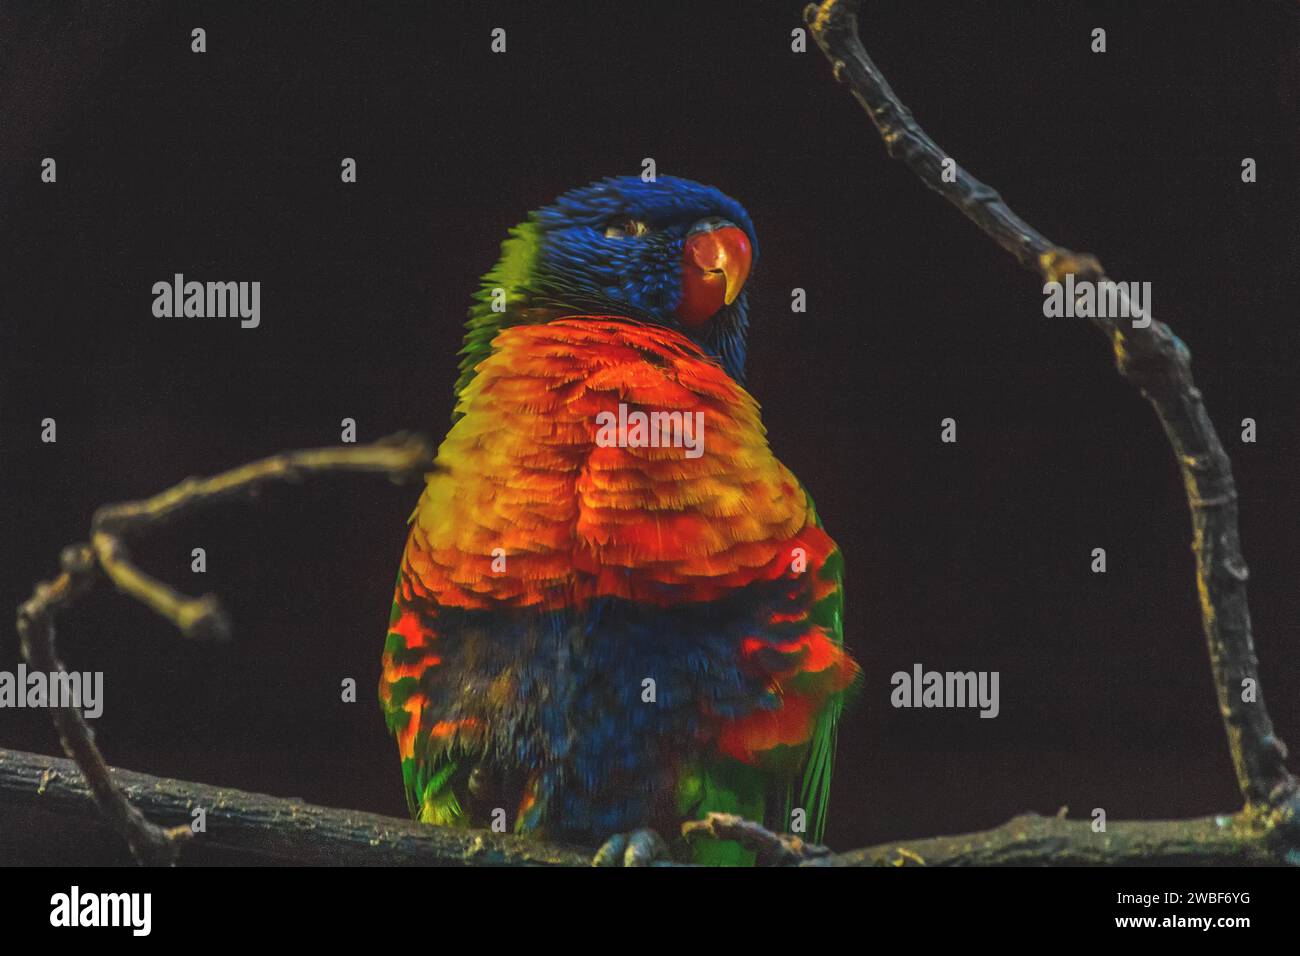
814	791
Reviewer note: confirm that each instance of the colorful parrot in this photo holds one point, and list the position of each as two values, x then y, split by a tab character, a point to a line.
595	640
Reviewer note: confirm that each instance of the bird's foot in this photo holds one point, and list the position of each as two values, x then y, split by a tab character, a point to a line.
638	848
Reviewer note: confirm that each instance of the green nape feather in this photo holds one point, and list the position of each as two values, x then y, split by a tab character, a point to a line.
489	315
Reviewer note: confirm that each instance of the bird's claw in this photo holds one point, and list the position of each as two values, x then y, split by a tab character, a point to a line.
637	848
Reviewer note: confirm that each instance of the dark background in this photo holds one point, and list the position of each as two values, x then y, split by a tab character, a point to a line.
225	166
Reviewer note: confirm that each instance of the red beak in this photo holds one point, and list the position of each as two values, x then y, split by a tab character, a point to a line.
715	265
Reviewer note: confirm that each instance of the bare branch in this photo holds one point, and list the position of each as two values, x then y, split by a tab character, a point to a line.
401	457
149	843
1245	839
43	803
1150	357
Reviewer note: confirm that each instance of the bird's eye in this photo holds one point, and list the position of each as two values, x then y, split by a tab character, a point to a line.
626	228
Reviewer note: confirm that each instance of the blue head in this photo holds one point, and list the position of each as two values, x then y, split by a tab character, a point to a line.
670	252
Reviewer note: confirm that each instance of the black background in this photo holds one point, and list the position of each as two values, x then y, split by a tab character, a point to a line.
225	166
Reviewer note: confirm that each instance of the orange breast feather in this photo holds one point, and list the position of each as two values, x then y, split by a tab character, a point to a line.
529	509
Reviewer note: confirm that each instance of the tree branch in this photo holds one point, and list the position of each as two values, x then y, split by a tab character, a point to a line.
148	843
1149	356
43	804
401	457
1244	839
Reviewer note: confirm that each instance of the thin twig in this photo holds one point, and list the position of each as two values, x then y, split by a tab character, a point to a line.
1150	357
769	849
401	457
150	844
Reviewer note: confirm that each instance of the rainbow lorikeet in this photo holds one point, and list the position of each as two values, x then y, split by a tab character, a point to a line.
616	609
